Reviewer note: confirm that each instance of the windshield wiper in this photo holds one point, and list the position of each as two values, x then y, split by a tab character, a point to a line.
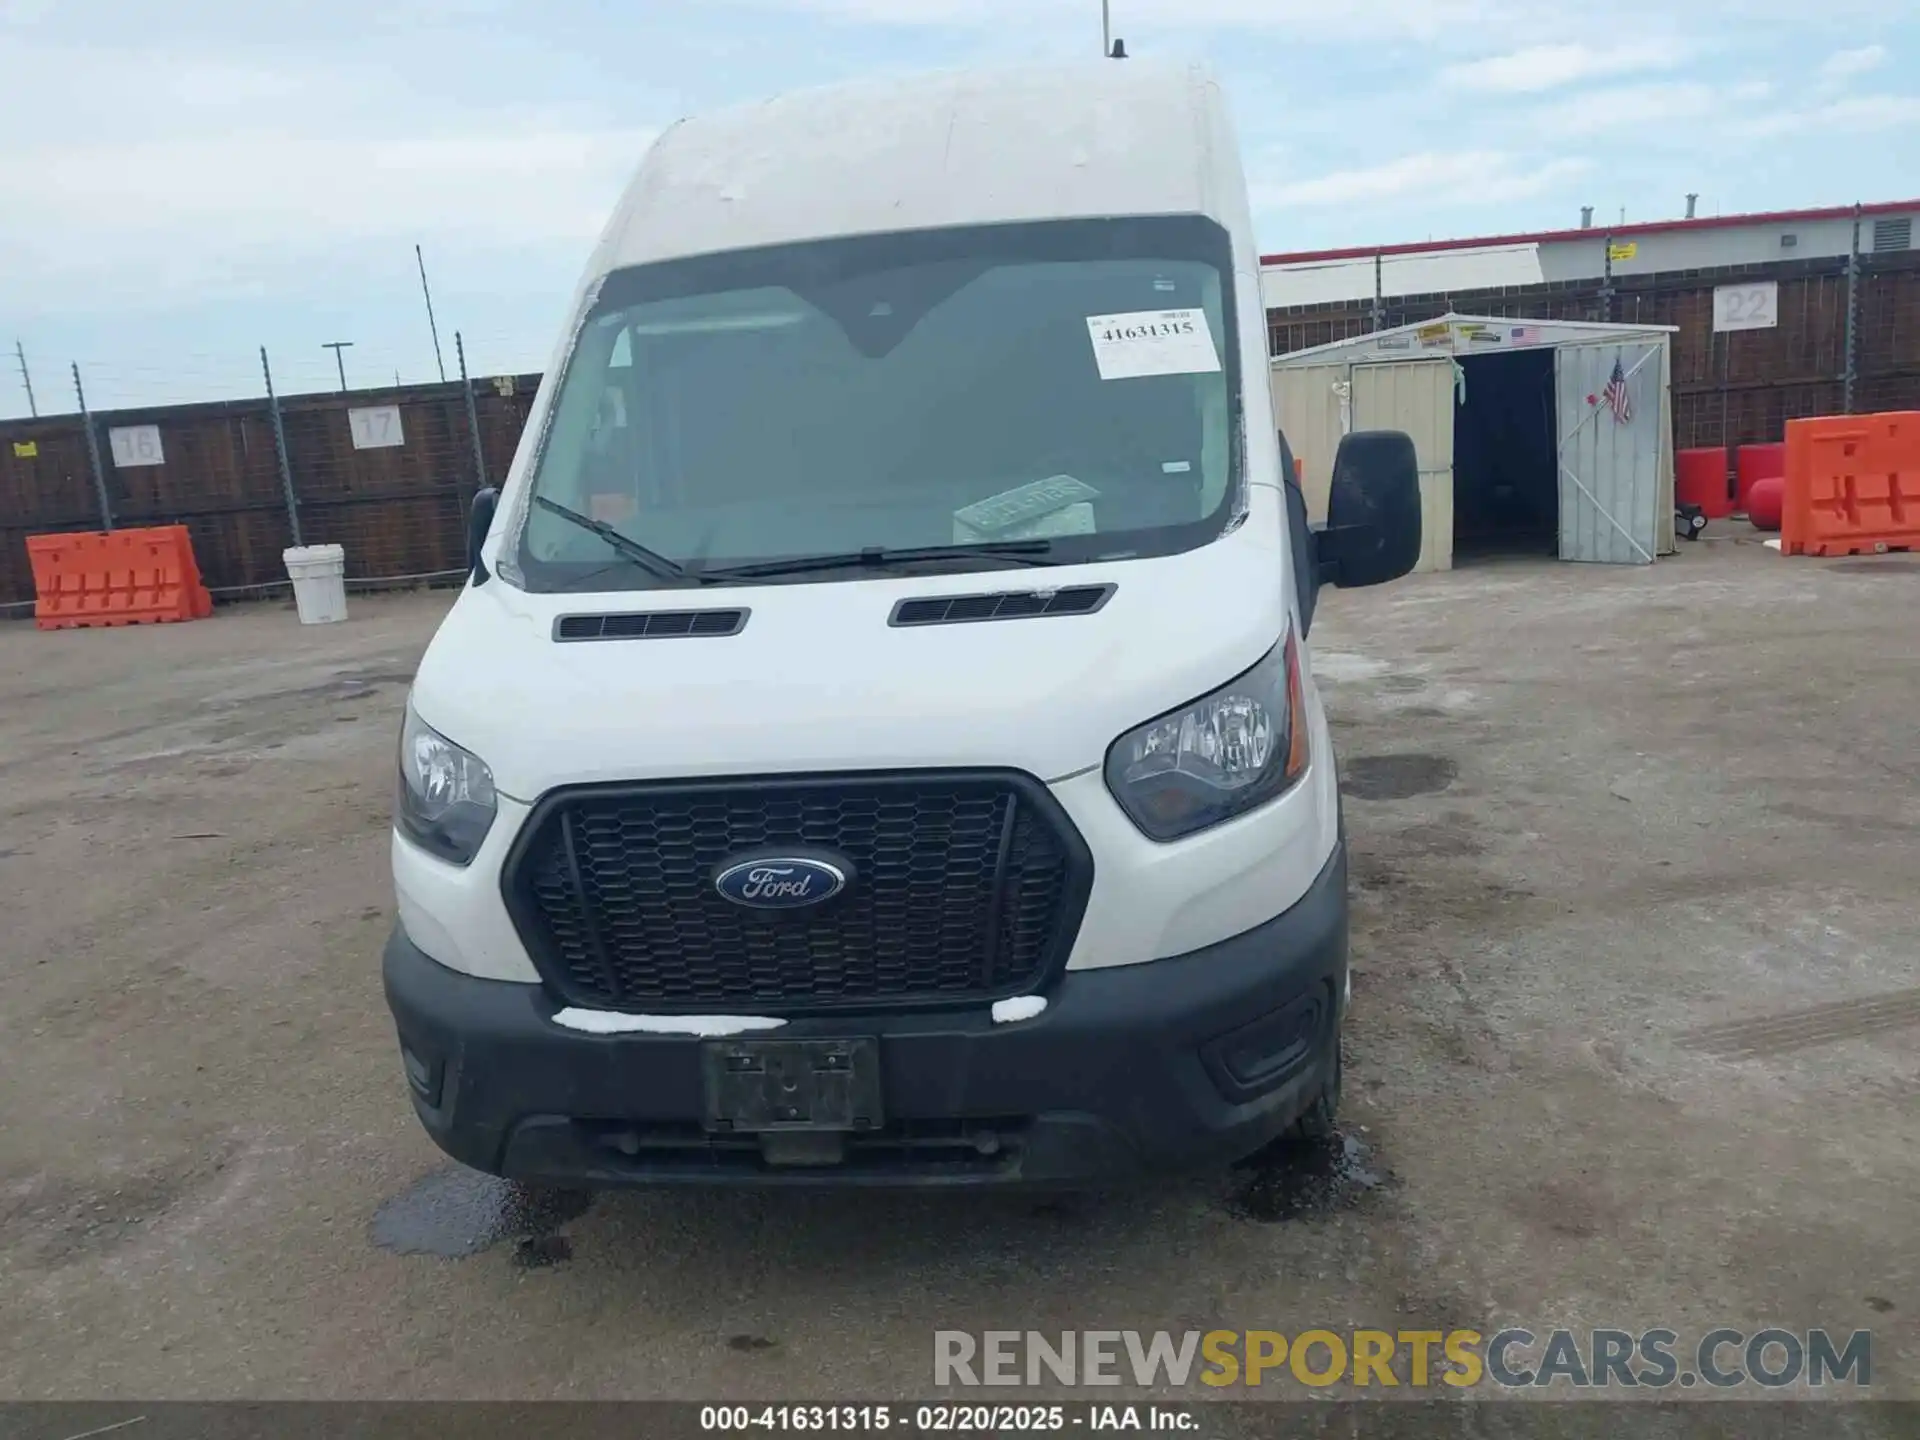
1021	552
651	561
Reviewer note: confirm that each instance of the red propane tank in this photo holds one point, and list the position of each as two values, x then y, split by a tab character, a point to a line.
1754	463
1765	500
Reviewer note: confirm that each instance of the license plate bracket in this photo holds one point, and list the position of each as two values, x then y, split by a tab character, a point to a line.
756	1086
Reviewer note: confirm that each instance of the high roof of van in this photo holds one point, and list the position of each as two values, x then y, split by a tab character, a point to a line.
1108	137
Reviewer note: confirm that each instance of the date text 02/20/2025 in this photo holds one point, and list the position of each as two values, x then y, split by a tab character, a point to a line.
946	1418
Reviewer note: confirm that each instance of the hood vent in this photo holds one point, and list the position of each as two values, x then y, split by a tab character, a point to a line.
651	625
1008	605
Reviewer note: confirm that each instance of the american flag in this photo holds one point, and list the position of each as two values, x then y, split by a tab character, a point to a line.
1616	395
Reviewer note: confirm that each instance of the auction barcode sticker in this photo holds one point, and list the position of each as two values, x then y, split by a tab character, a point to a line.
1153	342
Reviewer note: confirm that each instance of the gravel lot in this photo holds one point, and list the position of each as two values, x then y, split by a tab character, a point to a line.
1635	1041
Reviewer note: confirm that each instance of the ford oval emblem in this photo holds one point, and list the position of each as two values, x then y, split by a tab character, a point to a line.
780	882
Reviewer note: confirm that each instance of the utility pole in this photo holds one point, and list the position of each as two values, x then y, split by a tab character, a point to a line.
26	379
422	261
339	347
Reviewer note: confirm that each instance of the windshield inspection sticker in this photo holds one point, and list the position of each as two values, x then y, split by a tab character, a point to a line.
1152	342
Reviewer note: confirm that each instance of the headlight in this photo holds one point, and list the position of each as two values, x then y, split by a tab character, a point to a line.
445	803
1218	757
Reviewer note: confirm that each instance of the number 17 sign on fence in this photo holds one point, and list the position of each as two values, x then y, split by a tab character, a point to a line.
376	427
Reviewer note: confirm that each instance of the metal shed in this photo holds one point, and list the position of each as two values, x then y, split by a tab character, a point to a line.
1570	446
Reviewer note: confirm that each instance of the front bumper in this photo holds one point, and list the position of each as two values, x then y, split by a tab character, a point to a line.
1177	1063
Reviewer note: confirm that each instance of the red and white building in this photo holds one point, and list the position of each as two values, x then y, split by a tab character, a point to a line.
1427	267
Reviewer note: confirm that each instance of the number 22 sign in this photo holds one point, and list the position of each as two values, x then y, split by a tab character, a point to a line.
1747	307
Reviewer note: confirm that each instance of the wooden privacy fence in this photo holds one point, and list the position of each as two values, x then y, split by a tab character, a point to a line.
385	473
1845	333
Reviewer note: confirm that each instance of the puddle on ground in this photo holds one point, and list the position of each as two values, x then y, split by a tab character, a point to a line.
541	1252
1299	1179
457	1212
1396	777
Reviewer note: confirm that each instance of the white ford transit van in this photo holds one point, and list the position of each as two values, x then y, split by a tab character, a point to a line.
877	743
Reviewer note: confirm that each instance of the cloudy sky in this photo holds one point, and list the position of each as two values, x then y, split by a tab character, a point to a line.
181	184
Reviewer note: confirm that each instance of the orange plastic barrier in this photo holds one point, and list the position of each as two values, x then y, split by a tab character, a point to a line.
119	577
1852	484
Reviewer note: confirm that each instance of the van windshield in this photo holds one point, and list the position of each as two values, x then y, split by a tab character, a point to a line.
1031	394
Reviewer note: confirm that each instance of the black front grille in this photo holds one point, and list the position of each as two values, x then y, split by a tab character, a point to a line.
965	887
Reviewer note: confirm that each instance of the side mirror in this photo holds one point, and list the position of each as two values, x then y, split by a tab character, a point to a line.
1373	510
1306	573
479	522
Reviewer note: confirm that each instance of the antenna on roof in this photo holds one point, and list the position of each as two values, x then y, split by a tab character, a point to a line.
1119	51
1693	199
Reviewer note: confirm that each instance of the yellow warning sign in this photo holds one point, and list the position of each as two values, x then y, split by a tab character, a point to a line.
1625	251
25	449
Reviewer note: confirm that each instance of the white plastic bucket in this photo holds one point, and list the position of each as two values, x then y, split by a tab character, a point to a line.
318	573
